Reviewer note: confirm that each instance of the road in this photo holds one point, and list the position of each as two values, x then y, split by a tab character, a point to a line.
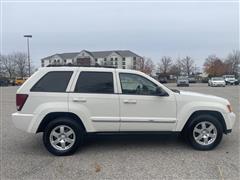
23	155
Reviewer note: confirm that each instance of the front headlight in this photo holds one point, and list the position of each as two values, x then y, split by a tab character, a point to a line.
229	107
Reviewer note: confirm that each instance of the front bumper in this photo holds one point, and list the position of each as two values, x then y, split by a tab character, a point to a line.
218	84
232	82
230	119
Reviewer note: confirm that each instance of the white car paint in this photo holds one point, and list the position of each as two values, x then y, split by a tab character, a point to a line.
215	81
116	112
230	79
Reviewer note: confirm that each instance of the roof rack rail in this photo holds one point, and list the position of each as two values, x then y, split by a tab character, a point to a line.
73	65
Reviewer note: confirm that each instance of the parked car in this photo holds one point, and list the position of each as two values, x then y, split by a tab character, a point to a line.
182	81
216	81
69	103
192	80
20	80
4	81
230	80
162	80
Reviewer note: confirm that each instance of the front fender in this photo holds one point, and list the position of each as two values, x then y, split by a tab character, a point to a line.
185	111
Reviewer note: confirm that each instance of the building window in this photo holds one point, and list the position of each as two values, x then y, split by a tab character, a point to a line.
96	60
124	59
111	59
116	59
124	67
134	62
65	61
134	58
123	63
105	59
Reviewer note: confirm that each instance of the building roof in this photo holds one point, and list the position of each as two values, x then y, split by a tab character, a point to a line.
96	54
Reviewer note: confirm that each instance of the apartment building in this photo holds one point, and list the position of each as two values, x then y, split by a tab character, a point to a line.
124	59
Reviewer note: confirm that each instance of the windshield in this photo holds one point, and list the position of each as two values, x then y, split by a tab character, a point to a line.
182	78
229	76
217	79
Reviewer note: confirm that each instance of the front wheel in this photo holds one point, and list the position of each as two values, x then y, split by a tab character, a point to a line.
204	132
62	136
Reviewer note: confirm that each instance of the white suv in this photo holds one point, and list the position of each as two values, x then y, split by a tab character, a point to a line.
67	103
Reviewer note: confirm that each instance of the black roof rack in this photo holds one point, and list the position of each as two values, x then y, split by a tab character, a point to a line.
73	65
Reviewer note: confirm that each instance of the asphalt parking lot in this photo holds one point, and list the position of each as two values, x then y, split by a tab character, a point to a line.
134	157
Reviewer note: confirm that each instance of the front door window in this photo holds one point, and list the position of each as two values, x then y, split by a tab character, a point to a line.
138	85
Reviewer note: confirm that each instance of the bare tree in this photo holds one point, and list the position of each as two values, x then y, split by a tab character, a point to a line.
214	66
145	65
165	64
21	64
232	62
175	69
187	65
8	65
1	67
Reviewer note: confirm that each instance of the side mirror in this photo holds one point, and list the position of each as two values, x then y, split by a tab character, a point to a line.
161	92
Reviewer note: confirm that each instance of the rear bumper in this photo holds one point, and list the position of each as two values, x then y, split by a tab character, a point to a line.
183	84
22	121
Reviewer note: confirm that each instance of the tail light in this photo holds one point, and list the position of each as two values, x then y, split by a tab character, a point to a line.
229	107
20	100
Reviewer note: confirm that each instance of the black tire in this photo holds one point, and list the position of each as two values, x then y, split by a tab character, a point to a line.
201	118
66	121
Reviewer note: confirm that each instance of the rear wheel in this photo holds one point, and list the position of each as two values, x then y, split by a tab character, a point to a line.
204	132
62	136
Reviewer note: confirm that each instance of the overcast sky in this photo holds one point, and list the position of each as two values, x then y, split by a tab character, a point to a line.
149	29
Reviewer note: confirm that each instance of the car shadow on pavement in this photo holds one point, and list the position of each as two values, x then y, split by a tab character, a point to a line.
115	141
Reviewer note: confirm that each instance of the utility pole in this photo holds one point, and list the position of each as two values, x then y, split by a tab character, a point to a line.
29	63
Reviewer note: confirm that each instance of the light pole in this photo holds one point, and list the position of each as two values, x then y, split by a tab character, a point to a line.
29	65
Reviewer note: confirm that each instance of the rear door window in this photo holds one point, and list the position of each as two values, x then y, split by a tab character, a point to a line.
56	81
95	82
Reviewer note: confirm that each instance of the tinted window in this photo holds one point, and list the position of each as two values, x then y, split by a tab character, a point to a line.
95	82
53	82
135	84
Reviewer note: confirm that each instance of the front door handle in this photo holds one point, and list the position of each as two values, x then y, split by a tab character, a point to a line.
79	100
130	101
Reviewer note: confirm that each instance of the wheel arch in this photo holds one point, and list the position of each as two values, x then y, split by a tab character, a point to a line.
216	114
54	115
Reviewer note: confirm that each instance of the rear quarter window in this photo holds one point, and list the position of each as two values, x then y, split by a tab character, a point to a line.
56	81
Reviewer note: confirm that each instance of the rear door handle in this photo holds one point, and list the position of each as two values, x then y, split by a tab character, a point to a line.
79	100
130	101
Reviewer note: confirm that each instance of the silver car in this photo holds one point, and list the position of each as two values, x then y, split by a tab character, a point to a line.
182	81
